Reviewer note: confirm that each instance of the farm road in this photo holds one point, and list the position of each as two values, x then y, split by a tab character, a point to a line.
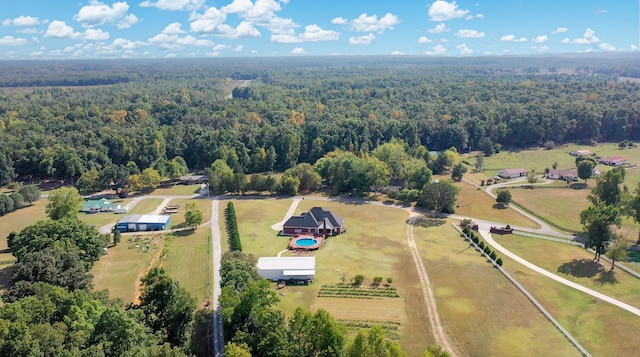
216	248
290	211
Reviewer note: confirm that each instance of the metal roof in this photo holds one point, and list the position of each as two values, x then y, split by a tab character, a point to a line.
287	263
145	218
298	272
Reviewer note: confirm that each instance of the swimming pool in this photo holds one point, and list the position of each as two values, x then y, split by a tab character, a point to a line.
306	242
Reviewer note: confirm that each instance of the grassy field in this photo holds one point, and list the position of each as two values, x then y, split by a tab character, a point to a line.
485	313
475	203
120	270
146	206
604	330
176	190
178	220
559	205
187	259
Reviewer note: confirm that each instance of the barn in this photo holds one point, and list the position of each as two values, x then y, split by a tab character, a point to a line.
512	173
287	268
143	222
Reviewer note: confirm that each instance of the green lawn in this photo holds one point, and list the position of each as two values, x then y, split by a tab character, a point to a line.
177	219
188	260
176	190
146	206
603	329
559	205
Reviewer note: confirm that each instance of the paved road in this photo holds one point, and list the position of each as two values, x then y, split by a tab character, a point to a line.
216	248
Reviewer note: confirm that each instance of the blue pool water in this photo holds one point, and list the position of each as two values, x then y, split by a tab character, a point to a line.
306	242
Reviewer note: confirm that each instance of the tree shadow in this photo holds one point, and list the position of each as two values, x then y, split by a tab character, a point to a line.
499	206
5	278
583	268
607	277
578	185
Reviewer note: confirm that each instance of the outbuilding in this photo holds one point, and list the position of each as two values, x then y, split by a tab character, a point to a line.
143	222
287	268
512	173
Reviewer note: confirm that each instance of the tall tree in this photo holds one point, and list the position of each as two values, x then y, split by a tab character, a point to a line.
597	220
64	202
618	251
608	187
585	170
193	216
372	342
316	334
438	196
31	193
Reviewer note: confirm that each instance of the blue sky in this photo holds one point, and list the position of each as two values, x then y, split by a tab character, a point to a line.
86	29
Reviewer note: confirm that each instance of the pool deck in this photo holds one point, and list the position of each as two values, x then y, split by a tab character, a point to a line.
293	242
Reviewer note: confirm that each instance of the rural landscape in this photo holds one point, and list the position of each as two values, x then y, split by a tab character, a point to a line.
348	206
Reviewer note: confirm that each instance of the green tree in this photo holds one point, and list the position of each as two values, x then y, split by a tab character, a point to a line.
585	170
117	236
632	207
479	163
394	154
306	174
17	198
236	350
358	279
608	187
193	216
503	197
372	342
289	185
31	193
221	177
150	179
618	251
64	202
532	178
597	220
435	351
438	196
458	171
6	204
168	308
90	181
316	334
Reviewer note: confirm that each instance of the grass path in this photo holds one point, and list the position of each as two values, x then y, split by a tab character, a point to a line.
439	331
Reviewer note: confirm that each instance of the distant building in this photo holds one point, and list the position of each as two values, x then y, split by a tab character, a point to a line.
193	179
581	153
395	184
613	161
317	222
101	205
512	173
143	222
287	268
566	175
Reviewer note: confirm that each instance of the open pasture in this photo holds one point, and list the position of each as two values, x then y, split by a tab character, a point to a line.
178	220
559	205
146	206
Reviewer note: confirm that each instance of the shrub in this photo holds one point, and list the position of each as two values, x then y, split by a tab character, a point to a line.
377	280
358	279
116	237
487	250
493	255
499	261
389	280
481	244
475	239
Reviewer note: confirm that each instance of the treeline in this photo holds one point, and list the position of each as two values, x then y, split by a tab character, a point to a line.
298	111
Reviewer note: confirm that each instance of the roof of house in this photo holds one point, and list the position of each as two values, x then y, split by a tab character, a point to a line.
555	172
145	218
514	171
396	182
287	263
193	177
615	158
313	219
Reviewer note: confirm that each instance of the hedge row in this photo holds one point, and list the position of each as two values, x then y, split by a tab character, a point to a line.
232	228
480	244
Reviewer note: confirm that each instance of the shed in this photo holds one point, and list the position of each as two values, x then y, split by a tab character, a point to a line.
193	179
512	173
101	205
143	222
286	268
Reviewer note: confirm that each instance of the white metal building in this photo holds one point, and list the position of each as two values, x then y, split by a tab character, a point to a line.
285	268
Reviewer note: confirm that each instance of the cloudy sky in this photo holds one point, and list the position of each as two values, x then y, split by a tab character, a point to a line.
65	29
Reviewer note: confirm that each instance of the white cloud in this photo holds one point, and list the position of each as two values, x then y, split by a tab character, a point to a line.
471	17
221	47
397	53
466	33
60	29
124	44
633	48
298	51
22	21
362	40
207	22
173	28
312	33
464	49
174	5
443	11
541	49
175	41
238	48
244	29
13	41
440	28
339	21
512	38
560	30
540	39
589	37
95	35
602	11
424	39
439	49
607	47
365	23
27	30
261	13
98	13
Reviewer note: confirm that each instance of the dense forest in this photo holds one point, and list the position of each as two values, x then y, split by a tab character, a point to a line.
61	119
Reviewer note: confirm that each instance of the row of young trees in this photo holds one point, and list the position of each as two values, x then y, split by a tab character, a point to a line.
231	223
253	327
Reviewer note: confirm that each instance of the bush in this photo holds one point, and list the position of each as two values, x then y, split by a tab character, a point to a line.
377	280
389	280
487	250
475	239
358	279
493	255
481	244
499	261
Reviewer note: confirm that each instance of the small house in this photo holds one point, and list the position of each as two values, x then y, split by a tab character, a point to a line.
143	222
581	153
287	268
101	205
512	173
193	179
613	161
317	222
395	184
566	175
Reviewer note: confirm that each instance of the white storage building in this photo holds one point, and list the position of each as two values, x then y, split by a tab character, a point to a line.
286	268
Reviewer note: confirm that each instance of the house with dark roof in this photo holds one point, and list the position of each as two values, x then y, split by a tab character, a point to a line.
395	184
316	222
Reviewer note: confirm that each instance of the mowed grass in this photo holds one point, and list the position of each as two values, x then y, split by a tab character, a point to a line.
176	190
475	203
559	205
601	328
483	311
187	259
146	206
575	264
178	220
120	270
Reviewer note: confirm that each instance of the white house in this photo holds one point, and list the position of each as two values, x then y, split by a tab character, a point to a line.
567	175
512	173
286	268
